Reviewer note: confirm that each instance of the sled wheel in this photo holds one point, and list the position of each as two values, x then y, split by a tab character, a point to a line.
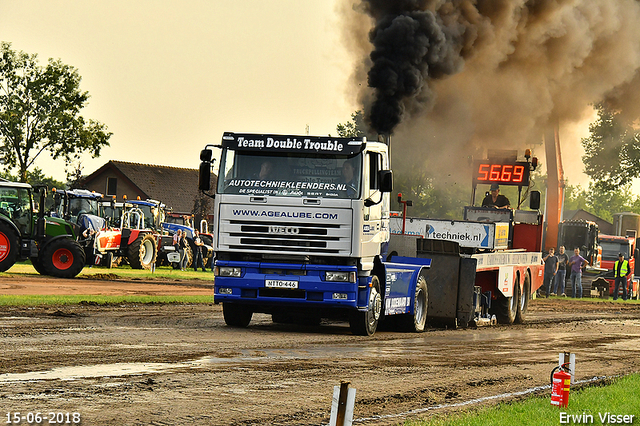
524	300
365	323
507	307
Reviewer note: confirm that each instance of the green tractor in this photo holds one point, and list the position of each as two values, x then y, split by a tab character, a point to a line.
50	243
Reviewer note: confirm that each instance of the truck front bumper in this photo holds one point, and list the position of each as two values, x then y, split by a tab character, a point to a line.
276	284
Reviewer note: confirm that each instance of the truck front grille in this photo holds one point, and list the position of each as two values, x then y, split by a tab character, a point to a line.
324	236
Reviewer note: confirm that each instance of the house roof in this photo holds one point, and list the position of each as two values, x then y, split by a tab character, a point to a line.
176	187
605	226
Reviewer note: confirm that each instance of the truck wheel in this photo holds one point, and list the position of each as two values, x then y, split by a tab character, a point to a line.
8	247
236	315
507	307
366	323
142	252
523	306
417	320
62	258
37	265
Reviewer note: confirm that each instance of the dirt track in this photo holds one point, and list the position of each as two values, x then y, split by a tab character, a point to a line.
179	364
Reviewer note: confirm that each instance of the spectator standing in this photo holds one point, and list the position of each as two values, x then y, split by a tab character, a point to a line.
621	270
184	258
176	244
576	263
550	269
561	275
199	261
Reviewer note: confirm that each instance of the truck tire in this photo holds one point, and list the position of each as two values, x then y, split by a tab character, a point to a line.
365	323
416	321
37	265
236	315
507	307
62	258
523	306
142	252
9	245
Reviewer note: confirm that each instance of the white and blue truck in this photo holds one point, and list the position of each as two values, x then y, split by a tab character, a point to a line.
302	233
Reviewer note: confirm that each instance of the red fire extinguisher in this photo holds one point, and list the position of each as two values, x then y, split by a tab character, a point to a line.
560	385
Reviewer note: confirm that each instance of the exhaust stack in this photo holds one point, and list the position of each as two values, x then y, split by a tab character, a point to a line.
385	138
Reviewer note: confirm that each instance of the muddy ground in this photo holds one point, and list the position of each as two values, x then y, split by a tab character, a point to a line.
180	365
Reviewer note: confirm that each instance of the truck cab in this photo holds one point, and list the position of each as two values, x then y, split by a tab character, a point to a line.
301	223
612	245
304	208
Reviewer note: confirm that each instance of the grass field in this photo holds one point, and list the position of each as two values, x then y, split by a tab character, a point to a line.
37	300
124	272
590	405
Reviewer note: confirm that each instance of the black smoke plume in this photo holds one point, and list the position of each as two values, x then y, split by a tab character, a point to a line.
411	45
450	77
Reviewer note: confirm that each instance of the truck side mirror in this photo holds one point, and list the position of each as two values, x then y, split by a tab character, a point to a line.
534	200
385	177
206	155
204	176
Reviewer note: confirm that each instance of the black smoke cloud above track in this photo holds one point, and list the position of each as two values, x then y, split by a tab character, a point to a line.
508	65
410	48
412	45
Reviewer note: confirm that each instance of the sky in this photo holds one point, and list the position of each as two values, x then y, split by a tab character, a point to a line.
169	77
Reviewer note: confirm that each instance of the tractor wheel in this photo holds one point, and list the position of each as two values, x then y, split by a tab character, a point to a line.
507	307
9	245
365	323
236	315
62	258
417	320
142	252
109	260
524	300
37	265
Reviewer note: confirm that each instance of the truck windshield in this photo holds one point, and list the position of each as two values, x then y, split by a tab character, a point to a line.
610	250
78	206
152	216
290	174
574	236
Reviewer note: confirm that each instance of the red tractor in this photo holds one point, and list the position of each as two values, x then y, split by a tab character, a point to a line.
131	241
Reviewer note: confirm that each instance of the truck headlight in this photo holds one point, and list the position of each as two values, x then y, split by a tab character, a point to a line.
228	271
340	276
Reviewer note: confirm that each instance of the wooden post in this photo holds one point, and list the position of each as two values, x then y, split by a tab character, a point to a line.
342	405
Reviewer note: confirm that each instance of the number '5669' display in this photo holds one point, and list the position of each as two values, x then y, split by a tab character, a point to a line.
512	173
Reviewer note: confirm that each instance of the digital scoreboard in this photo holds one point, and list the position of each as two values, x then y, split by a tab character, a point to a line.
502	173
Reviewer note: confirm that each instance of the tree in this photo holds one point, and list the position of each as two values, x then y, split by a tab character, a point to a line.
35	177
40	112
612	151
74	175
354	128
415	182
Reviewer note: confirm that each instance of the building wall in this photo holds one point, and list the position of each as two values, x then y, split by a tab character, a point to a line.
99	184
